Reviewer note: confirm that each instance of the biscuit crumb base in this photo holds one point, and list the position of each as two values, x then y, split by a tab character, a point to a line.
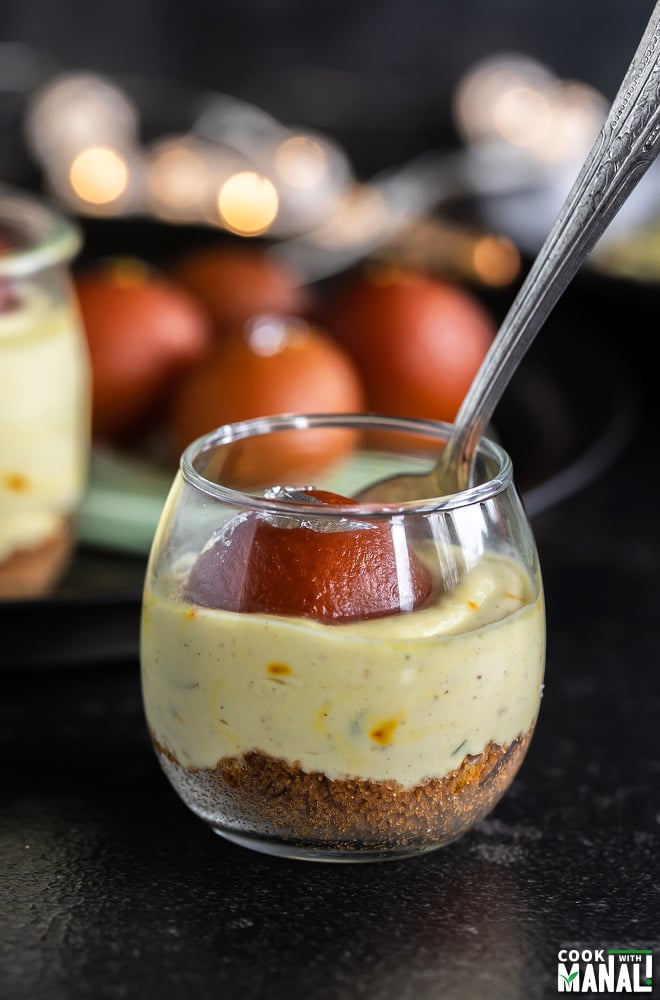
32	572
258	796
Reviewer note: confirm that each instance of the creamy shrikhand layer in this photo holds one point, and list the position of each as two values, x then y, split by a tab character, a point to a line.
44	419
403	698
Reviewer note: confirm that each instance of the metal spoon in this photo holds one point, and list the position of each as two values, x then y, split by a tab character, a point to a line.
626	146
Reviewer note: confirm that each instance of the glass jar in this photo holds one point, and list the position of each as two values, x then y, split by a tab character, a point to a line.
330	680
44	396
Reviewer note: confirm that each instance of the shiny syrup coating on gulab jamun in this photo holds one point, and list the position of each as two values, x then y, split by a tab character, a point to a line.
332	576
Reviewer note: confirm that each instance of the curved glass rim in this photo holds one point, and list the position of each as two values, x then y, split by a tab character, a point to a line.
289	421
56	238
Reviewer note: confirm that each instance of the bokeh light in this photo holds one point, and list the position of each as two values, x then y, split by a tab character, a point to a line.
579	112
496	260
248	203
179	177
301	161
73	111
267	335
360	216
99	175
523	116
483	88
513	99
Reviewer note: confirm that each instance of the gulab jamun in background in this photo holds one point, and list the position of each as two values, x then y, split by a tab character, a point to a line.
235	283
417	340
273	365
143	332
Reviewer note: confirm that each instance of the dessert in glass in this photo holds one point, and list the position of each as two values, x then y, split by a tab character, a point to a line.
44	396
330	680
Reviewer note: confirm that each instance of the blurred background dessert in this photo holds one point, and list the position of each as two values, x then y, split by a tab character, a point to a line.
44	397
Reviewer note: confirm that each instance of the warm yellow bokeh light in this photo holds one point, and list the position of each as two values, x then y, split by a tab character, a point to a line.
360	216
176	178
523	116
496	260
301	161
248	203
99	175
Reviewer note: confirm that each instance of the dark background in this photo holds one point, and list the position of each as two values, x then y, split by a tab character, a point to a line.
380	65
220	44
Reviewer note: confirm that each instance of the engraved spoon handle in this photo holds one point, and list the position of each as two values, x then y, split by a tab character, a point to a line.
626	146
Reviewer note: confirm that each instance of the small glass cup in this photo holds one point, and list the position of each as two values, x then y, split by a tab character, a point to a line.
335	681
44	396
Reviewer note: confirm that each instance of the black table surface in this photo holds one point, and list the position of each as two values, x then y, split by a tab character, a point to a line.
110	888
